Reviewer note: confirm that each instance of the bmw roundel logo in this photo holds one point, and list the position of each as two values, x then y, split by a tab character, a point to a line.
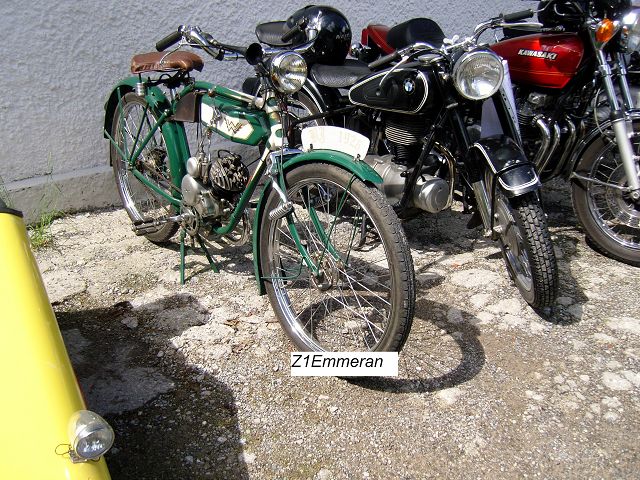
409	85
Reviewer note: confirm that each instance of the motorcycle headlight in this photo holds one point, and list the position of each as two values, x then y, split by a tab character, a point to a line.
90	435
631	31
288	72
478	75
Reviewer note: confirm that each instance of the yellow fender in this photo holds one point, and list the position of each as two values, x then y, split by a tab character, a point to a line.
39	388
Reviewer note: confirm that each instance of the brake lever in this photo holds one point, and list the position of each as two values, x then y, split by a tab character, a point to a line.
195	34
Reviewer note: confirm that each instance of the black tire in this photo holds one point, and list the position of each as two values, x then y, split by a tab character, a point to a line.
610	218
141	203
377	275
527	248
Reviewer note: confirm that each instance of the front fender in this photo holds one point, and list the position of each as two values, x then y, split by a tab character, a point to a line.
507	162
360	169
589	138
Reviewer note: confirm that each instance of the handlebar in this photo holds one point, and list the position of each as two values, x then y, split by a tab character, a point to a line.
169	40
293	31
383	60
195	37
515	16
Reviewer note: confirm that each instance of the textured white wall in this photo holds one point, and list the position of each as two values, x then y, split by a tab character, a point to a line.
60	59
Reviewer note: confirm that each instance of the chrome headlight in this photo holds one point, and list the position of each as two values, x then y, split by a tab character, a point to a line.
90	436
288	72
478	75
631	31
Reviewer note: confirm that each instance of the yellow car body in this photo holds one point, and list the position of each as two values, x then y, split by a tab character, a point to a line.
40	392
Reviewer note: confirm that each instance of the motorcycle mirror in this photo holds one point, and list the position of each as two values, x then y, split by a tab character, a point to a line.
254	54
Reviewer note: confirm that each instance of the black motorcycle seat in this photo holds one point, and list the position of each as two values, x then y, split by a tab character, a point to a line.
271	33
339	76
415	30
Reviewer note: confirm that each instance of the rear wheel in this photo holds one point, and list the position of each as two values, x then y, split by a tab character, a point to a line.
363	296
141	203
526	248
610	217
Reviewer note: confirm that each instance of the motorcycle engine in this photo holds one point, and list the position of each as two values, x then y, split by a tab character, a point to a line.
404	134
534	104
430	193
212	183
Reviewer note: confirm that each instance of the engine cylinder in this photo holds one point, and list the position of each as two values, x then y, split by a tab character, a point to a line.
405	133
405	129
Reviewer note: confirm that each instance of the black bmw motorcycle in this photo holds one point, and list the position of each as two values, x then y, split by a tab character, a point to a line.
442	126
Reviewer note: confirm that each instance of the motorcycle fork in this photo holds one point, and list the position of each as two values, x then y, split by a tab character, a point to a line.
621	66
620	128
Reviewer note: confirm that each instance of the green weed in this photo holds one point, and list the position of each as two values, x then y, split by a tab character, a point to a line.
40	231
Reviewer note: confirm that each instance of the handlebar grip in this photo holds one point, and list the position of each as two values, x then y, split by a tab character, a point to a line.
383	60
515	16
169	40
292	32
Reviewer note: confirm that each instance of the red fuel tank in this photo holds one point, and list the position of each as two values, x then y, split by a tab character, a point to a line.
544	60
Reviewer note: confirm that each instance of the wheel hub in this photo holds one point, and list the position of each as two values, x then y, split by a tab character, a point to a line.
327	273
623	207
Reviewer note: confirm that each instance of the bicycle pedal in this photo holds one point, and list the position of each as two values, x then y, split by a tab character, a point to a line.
280	211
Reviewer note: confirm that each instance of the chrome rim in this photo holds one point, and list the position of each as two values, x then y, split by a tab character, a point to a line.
347	307
141	202
617	215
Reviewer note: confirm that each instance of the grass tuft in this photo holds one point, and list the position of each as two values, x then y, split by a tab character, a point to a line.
40	231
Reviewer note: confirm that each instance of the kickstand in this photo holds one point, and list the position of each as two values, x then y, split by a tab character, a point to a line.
207	254
183	234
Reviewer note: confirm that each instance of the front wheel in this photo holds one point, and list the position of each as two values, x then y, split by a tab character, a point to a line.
610	217
362	296
526	248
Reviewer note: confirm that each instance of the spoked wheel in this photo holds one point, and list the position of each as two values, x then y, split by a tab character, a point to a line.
359	299
610	217
526	248
142	204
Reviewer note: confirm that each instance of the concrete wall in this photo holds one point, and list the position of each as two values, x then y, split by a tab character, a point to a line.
60	59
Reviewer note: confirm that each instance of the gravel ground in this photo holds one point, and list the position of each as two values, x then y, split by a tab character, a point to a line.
195	379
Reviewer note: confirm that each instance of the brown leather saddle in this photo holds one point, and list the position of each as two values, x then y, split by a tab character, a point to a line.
163	62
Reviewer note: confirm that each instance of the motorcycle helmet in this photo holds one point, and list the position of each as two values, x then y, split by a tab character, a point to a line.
328	28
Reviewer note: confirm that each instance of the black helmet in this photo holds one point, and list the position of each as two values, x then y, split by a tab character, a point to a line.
328	28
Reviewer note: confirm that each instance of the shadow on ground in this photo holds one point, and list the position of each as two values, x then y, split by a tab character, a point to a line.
125	379
440	353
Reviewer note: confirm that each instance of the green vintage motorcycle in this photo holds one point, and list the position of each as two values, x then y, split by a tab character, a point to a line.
328	249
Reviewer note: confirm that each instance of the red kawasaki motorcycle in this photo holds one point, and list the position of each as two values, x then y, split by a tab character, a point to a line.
575	108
